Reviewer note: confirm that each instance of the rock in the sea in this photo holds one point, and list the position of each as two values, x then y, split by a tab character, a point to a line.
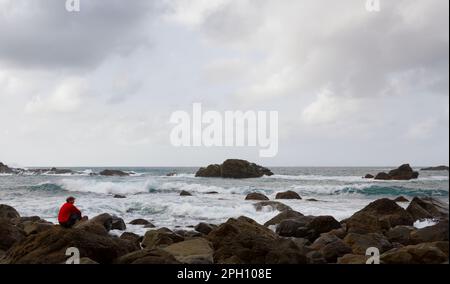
404	172
8	212
273	205
308	227
288	195
147	256
331	247
194	251
285	215
49	247
160	238
438	168
114	173
360	243
139	222
427	208
4	169
243	241
401	199
256	196
118	196
425	253
377	217
9	234
205	228
234	168
118	224
435	233
185	193
369	176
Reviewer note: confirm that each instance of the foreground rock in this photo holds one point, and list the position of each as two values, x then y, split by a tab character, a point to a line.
243	241
141	222
331	247
147	256
377	217
234	168
404	172
9	234
438	168
285	215
401	199
205	228
308	227
427	208
111	173
438	232
8	212
256	196
160	238
194	251
425	253
360	243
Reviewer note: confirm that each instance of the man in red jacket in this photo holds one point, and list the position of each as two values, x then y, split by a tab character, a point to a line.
69	214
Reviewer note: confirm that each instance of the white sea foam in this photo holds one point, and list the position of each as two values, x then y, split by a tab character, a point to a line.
419	224
350	178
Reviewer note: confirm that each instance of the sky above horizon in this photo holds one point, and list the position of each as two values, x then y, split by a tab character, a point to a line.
98	87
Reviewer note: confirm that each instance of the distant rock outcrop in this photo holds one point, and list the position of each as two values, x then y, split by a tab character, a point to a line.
438	168
233	168
404	172
114	173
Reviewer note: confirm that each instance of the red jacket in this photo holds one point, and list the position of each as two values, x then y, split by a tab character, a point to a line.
66	210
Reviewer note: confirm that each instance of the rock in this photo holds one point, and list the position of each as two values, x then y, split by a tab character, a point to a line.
55	171
9	234
243	241
205	228
288	195
171	174
312	200
49	247
149	226
210	171
234	169
400	234
427	208
118	196
4	169
194	251
104	220
378	216
114	173
31	228
331	247
308	227
274	205
287	214
212	192
160	238
425	253
360	243
256	196
87	261
353	259
185	193
188	235
134	238
154	256
383	176
340	233
315	257
401	199
435	233
139	222
369	176
118	224
438	168
8	212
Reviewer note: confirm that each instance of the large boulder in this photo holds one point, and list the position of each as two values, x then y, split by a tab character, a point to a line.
272	205
141	222
8	212
243	241
288	195
194	251
285	215
256	196
308	227
30	227
425	253
234	168
331	247
404	172
114	173
378	216
360	243
118	224
427	208
4	169
132	237
50	246
435	233
154	256
160	238
400	234
9	234
204	228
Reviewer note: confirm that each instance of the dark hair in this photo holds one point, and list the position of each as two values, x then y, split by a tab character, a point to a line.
70	198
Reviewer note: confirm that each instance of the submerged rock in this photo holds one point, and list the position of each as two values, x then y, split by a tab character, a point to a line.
233	168
185	193
438	168
114	173
288	195
256	196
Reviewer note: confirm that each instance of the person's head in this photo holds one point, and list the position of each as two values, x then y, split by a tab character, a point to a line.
70	199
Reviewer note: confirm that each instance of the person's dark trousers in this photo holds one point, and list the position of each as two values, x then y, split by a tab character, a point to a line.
72	220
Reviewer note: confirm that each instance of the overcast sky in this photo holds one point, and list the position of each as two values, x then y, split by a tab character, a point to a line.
97	88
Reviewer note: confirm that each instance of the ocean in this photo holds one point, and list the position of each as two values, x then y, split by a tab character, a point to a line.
152	195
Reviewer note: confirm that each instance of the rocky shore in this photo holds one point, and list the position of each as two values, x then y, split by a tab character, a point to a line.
288	238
